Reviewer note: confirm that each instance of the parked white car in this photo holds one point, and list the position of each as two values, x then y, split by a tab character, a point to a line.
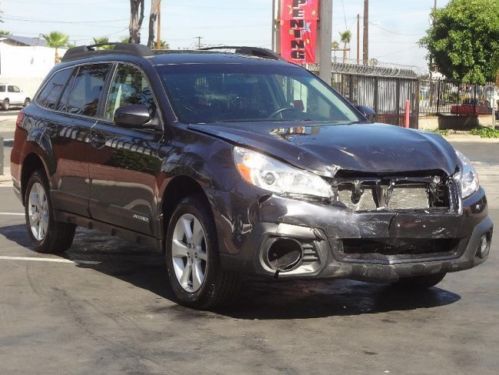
12	96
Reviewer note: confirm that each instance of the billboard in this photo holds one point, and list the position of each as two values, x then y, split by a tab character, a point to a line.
298	23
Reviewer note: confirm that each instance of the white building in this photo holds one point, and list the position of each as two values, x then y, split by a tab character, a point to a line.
25	62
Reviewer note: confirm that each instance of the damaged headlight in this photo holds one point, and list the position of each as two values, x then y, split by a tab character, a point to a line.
467	176
278	177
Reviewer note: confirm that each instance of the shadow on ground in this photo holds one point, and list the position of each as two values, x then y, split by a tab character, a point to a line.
259	299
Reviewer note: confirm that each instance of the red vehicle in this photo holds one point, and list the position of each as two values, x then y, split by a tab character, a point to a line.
471	107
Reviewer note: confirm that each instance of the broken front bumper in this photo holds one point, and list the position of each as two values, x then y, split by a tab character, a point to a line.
340	243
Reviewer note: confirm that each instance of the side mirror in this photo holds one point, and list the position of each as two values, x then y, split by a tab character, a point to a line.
368	112
132	115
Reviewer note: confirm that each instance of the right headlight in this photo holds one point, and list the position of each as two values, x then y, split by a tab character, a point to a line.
278	177
467	177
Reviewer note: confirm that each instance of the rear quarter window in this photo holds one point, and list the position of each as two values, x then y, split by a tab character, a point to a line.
51	92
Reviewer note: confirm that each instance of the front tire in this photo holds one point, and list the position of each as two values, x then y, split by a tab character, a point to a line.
192	258
48	235
420	282
27	102
6	105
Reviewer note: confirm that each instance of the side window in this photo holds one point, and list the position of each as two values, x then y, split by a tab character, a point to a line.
83	94
2	88
129	86
14	89
50	94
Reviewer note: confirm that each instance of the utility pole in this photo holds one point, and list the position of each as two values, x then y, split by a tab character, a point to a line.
158	37
358	39
325	37
365	41
199	40
431	57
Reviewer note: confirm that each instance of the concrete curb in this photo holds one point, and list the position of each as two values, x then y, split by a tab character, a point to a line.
470	138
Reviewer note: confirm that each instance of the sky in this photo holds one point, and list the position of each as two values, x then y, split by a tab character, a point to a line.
395	25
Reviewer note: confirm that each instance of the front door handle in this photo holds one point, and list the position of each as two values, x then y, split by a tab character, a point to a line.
97	140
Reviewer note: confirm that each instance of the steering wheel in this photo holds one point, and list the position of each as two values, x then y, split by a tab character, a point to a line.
280	111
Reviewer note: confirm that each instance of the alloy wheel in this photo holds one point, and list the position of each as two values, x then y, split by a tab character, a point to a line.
189	253
38	211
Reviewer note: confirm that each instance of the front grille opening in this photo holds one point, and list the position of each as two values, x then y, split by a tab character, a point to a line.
398	246
392	193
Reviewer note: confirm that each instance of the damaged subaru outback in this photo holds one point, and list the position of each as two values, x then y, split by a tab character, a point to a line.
239	163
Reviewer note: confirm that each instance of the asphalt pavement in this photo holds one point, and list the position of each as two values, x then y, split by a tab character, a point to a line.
106	307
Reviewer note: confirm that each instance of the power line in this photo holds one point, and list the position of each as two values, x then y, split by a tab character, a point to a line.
22	19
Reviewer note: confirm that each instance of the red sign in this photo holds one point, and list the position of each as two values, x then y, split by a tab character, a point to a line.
299	30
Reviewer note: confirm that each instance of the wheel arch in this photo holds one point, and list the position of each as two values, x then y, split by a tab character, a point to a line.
31	163
178	188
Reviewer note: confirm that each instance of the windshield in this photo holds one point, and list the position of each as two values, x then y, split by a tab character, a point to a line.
207	93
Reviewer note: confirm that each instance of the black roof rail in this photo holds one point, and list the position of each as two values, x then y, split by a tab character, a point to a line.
249	51
91	50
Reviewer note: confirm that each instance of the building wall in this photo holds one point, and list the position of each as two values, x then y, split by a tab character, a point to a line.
25	66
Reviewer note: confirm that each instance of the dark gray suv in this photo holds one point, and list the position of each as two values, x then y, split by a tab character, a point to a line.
237	164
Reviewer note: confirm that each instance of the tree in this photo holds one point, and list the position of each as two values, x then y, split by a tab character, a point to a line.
56	40
102	40
153	22
136	18
464	40
4	33
345	38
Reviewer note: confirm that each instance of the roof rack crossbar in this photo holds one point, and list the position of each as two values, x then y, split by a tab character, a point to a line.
249	51
90	50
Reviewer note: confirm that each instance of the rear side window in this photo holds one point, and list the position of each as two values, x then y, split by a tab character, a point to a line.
14	89
52	91
82	96
2	88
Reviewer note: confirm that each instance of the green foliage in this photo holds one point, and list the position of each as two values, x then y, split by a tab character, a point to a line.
56	39
442	132
345	37
4	33
102	40
464	40
484	132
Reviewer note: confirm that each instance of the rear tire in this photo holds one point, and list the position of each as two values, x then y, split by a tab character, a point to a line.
27	102
6	105
48	235
420	282
192	247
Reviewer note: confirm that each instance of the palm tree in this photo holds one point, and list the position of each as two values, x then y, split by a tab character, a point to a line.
345	37
56	40
153	22
136	18
334	47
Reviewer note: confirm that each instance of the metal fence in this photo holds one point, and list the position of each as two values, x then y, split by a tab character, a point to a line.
386	90
443	97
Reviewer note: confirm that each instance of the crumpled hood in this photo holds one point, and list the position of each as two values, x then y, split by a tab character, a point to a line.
327	148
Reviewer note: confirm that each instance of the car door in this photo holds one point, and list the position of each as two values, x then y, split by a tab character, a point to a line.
123	171
70	116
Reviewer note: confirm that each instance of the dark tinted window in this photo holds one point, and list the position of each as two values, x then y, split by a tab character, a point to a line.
84	92
51	93
2	88
129	86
